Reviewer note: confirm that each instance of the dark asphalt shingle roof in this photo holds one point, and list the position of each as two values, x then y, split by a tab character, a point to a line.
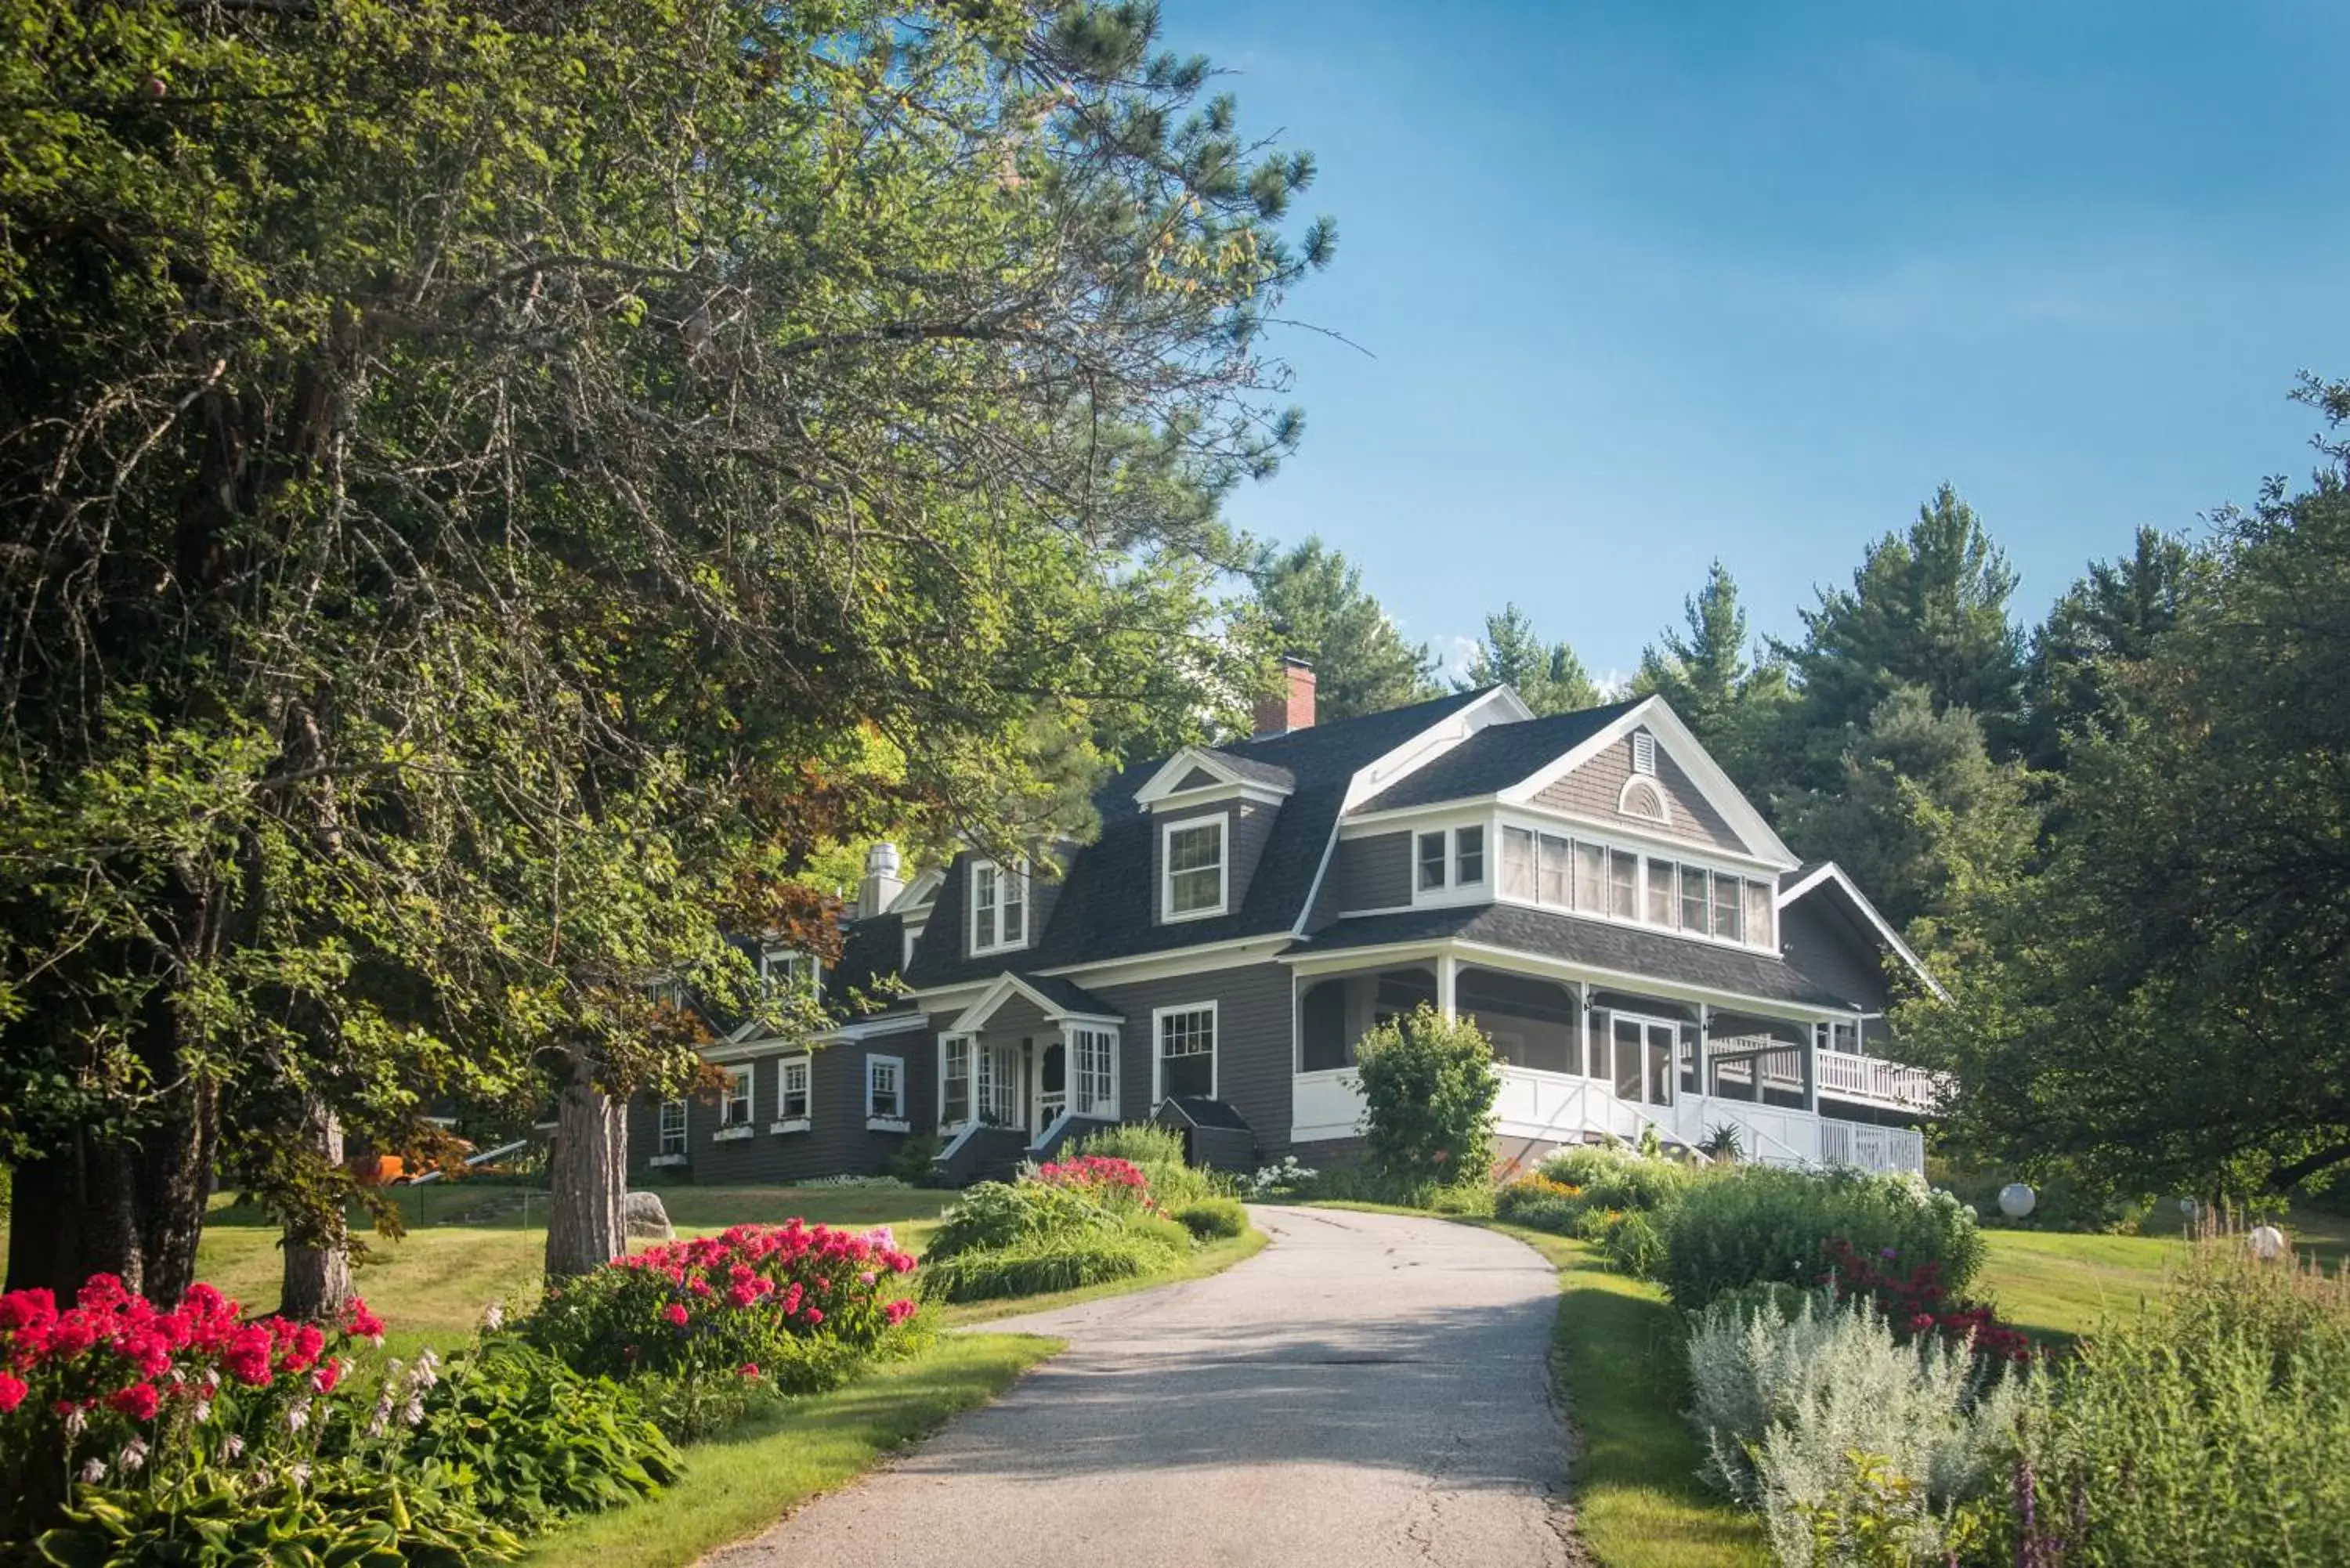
1496	757
1627	949
873	947
1067	995
1104	910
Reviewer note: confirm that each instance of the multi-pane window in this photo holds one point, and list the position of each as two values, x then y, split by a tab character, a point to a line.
1195	868
672	1127
1518	879
1431	861
1187	1051
783	973
734	1106
1468	857
999	907
885	1087
1096	1057
954	1080
792	1090
1620	883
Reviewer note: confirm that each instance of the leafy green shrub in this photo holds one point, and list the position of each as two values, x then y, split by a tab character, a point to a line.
1361	1184
1429	1088
1834	1429
540	1440
1159	1151
1211	1218
1619	1178
911	1161
1559	1216
1630	1243
2213	1430
339	1513
1759	1223
1038	1265
992	1215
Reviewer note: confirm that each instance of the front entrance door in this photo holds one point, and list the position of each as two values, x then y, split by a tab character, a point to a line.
1003	1092
1644	1060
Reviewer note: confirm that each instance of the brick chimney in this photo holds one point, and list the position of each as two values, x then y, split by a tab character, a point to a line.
1292	708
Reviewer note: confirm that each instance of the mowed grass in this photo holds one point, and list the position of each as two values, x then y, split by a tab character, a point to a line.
738	1484
469	1246
2058	1287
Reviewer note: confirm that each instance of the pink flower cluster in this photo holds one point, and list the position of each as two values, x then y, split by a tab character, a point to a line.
793	1270
116	1356
1095	1173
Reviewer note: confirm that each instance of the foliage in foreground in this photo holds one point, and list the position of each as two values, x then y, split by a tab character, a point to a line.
1092	1219
1842	1434
1758	1223
1429	1088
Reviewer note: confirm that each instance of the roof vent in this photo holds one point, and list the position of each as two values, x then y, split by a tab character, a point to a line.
1644	753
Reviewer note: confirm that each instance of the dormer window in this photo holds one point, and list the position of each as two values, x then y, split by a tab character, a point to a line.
999	907
784	972
1194	855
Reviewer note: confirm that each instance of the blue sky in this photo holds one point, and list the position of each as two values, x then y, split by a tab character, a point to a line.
1639	285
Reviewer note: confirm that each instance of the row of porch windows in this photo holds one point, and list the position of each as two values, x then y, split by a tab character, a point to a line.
1565	873
975	1081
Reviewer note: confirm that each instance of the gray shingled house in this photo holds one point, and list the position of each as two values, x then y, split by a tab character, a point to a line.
1590	887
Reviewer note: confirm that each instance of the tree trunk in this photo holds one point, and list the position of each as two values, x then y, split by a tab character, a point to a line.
175	1171
317	1282
589	1174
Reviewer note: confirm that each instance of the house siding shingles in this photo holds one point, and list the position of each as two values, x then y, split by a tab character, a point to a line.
1593	790
837	1142
1372	873
1822	944
1253	1046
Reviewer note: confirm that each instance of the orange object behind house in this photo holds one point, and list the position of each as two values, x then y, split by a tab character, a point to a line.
377	1170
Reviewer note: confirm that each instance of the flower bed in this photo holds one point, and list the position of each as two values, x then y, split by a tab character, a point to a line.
1916	1303
1087	1220
131	1433
793	1307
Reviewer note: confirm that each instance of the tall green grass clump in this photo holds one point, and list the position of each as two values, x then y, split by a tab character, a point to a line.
1759	1224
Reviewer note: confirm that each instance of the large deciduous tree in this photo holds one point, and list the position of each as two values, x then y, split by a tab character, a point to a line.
487	492
1314	602
2160	1004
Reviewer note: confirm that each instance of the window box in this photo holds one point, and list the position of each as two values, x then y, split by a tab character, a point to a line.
735	1133
667	1161
885	1094
789	1125
887	1125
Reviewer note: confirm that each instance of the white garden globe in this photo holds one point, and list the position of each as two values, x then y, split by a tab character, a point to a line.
2187	1207
2016	1200
2267	1243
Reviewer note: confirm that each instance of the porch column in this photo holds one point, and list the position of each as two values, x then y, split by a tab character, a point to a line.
1811	1068
1583	995
1448	974
1704	1049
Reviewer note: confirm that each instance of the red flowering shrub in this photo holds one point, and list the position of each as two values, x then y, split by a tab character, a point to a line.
1917	1303
797	1305
1113	1183
117	1389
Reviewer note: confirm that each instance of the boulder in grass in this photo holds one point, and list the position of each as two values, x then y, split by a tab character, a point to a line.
646	1220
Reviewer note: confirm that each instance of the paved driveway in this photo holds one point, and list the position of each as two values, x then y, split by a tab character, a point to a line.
1370	1389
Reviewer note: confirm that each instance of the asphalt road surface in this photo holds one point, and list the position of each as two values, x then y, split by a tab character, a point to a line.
1370	1389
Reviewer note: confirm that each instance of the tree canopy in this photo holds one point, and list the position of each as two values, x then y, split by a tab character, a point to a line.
1313	601
486	499
1549	676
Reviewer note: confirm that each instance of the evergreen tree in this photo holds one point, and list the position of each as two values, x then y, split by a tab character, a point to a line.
2158	1004
1733	706
2111	617
1549	676
1917	809
1314	600
1927	608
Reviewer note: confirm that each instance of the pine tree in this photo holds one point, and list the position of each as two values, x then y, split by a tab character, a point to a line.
1549	676
2111	617
1314	600
1927	608
1731	705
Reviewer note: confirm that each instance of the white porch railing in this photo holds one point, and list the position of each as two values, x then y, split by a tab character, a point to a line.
1878	1083
1868	1148
1561	1108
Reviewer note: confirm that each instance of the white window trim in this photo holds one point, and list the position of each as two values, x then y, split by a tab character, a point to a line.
899	1123
814	981
1003	874
970	1080
664	1158
1642	853
732	1128
1167	831
1655	786
1453	890
1069	1031
784	1064
1215	1048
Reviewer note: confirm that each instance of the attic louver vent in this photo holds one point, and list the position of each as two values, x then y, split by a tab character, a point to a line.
1644	753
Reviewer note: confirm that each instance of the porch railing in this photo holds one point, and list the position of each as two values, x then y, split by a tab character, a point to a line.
1876	1082
1868	1148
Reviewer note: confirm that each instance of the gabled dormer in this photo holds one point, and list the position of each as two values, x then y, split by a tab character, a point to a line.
1212	814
